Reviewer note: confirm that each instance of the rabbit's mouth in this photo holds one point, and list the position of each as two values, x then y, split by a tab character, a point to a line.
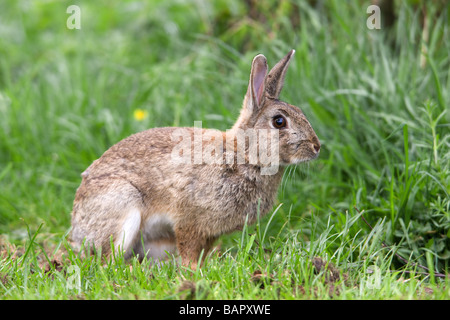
305	151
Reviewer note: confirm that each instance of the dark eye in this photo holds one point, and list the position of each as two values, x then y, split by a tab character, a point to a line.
279	122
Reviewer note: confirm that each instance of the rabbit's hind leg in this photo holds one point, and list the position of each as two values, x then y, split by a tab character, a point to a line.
105	209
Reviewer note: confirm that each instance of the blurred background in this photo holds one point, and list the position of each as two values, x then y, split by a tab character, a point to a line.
377	98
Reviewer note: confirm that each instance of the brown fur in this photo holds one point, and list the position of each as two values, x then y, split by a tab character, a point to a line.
137	178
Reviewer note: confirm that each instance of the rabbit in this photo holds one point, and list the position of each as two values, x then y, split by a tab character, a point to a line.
140	197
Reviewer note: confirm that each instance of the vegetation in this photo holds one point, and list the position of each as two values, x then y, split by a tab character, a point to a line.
378	100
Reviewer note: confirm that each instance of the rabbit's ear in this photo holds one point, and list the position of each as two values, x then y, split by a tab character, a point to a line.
275	78
255	91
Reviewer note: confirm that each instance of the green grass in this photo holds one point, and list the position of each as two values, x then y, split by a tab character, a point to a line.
281	270
382	117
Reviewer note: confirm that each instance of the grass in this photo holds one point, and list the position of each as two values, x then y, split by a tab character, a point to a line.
381	114
284	271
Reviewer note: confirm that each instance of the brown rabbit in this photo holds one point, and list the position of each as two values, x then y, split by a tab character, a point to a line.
154	192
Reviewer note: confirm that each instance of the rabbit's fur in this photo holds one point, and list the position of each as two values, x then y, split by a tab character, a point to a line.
149	204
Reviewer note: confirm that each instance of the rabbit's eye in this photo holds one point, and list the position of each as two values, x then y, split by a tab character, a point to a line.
279	122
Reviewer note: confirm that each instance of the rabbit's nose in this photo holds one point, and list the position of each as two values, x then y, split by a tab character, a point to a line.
316	144
316	147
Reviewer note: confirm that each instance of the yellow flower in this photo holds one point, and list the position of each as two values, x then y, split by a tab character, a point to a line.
140	114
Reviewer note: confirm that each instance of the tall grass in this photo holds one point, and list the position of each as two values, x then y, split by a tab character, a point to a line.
376	99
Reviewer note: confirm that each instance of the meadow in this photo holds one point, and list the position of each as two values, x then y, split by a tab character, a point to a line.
369	219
